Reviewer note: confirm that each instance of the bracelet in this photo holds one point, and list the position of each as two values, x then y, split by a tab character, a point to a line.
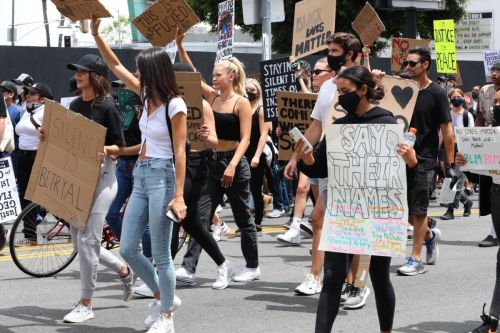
96	34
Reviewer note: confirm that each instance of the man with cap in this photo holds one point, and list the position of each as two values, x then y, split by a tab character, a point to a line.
451	80
22	82
9	91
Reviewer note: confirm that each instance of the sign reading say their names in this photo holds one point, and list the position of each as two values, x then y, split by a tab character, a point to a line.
444	38
275	74
294	111
400	47
10	207
190	87
66	170
314	22
77	10
367	208
159	22
479	145
368	25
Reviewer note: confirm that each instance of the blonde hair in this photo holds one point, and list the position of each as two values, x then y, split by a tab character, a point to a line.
234	66
257	85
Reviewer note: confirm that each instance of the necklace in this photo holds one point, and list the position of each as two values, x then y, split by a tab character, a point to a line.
227	98
426	84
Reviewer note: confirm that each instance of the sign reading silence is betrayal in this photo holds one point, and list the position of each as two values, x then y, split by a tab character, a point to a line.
400	48
294	111
159	22
444	37
368	25
367	209
66	170
77	10
314	22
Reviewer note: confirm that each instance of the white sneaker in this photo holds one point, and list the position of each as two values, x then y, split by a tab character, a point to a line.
357	298
162	325
310	286
248	274
225	273
182	275
219	231
144	291
275	213
409	231
307	227
291	237
79	314
177	302
128	285
154	314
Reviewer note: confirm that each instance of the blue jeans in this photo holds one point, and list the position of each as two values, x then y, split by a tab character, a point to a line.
154	185
282	193
125	181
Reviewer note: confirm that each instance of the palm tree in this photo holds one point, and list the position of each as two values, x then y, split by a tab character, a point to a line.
46	22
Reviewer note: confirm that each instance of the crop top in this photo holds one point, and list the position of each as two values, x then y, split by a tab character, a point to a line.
227	125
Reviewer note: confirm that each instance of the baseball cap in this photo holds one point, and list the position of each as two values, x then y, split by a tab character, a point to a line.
9	86
24	79
90	63
42	89
496	65
451	77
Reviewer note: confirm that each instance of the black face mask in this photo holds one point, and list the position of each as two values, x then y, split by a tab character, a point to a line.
456	102
251	96
349	101
475	95
335	62
496	114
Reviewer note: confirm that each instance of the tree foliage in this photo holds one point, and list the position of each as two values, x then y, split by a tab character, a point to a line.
394	21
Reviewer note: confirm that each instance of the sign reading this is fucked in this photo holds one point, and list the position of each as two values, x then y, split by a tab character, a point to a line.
66	170
444	37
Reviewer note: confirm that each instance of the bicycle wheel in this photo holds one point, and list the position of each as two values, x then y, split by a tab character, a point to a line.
40	243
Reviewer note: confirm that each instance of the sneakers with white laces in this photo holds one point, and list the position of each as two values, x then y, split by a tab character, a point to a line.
220	230
309	287
162	325
248	274
79	314
225	273
182	275
128	285
154	313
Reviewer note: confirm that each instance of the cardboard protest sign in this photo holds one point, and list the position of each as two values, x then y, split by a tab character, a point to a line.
400	97
314	22
368	25
444	37
77	10
276	74
400	47
66	170
159	22
367	209
10	207
225	30
294	111
479	145
489	59
190	87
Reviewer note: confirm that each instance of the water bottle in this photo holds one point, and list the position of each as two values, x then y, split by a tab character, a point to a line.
411	136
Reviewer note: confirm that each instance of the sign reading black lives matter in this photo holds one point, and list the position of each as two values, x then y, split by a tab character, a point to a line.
276	74
9	197
314	22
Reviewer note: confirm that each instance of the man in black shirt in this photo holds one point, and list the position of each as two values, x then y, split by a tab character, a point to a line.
431	114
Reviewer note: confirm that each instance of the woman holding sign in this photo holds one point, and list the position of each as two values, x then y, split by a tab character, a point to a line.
158	184
357	90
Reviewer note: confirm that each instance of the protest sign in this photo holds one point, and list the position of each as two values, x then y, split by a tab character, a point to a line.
367	209
314	22
77	10
368	25
276	74
159	22
479	145
190	87
400	97
400	47
10	207
489	59
66	169
225	30
294	111
444	38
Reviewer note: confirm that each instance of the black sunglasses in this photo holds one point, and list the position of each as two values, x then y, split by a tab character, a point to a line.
411	63
319	71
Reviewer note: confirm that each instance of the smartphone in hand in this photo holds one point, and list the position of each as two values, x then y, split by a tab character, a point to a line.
171	215
297	135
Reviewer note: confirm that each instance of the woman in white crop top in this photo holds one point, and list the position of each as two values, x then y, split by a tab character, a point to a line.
158	185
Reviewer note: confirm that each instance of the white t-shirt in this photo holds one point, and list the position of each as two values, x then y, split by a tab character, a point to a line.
28	134
324	101
458	120
154	128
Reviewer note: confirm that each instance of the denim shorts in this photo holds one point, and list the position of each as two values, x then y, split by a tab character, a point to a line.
313	181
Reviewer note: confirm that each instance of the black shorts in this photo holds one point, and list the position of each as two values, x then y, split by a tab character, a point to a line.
420	187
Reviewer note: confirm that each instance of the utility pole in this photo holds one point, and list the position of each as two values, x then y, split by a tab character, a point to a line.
266	29
12	26
411	23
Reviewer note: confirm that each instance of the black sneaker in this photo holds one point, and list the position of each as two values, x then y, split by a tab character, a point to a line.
489	241
489	322
345	292
467	208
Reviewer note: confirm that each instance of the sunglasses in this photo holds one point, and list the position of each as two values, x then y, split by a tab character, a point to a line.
318	71
411	63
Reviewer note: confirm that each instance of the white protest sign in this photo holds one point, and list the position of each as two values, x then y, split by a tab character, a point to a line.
489	59
447	194
479	145
367	209
225	30
10	207
66	101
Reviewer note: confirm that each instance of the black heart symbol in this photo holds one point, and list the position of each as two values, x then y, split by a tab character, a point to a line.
402	96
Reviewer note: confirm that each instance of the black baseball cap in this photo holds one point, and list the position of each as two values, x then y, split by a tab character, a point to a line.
9	86
24	79
451	77
90	63
42	89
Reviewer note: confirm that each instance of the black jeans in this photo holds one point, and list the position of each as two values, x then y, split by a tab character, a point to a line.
495	217
197	221
335	271
257	176
238	195
25	165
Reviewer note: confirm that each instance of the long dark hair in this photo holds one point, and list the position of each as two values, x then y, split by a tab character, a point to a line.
360	76
157	76
99	84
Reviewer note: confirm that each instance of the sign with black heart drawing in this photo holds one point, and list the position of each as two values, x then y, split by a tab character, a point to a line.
400	98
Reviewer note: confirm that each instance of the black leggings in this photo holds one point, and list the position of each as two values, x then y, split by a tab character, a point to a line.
495	217
335	271
257	177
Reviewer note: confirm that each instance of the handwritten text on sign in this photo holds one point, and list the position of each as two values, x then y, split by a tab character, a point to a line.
444	37
225	30
9	197
479	145
489	59
190	87
400	48
366	207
